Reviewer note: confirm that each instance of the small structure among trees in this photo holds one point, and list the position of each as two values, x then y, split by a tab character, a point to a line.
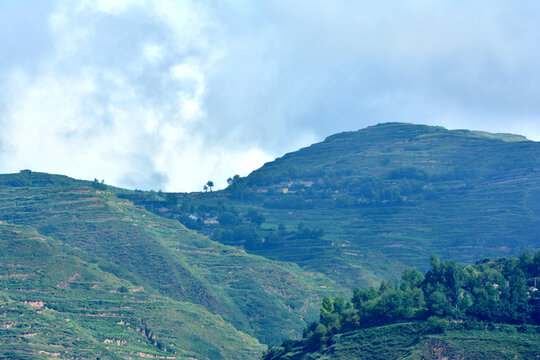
208	186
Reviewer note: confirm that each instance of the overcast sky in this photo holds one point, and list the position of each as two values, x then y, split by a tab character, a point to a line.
169	94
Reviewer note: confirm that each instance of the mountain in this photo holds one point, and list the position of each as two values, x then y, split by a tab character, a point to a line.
84	272
54	304
489	310
90	270
385	197
412	341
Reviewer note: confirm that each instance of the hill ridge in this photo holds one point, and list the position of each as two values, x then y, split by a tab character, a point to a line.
390	195
258	256
167	259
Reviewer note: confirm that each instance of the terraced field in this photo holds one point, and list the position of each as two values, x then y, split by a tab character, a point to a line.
53	304
91	270
111	268
390	195
415	341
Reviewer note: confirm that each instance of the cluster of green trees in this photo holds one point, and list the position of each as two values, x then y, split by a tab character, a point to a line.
245	229
208	186
501	291
408	172
237	188
339	188
96	184
402	186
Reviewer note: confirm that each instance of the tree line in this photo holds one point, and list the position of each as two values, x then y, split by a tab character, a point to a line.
496	291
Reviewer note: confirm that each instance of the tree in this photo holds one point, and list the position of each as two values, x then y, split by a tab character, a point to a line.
360	297
526	261
171	199
229	218
438	304
411	278
210	184
233	180
389	305
99	185
536	264
317	337
340	305
282	231
386	286
329	317
255	217
327	305
237	189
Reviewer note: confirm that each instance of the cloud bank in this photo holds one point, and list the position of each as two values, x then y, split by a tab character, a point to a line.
169	94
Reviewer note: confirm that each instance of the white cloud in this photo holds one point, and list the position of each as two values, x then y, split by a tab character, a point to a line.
153	52
112	6
131	124
170	94
190	98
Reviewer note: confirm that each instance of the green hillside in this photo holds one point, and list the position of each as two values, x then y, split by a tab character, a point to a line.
487	311
89	270
53	304
414	341
384	197
173	278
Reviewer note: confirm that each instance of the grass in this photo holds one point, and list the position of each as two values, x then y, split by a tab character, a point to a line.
55	304
168	271
416	341
461	194
387	197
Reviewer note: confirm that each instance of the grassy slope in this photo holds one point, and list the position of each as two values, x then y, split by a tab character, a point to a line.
486	187
479	198
269	300
412	341
54	304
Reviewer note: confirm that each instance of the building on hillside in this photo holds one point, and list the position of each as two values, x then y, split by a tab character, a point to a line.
211	221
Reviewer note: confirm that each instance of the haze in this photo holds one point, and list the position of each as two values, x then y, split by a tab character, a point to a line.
170	94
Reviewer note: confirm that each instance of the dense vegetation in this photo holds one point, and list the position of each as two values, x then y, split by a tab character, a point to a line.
386	197
449	297
87	269
421	340
79	252
54	304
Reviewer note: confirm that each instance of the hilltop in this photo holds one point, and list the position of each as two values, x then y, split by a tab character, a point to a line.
102	274
384	197
90	269
490	310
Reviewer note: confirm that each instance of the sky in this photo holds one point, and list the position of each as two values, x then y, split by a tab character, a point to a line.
167	95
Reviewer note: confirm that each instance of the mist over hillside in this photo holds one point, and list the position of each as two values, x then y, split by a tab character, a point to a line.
361	205
90	270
